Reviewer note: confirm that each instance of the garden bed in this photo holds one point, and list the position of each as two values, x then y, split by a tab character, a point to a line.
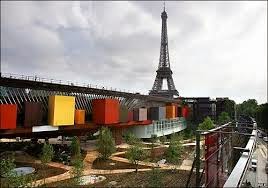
40	171
113	165
176	178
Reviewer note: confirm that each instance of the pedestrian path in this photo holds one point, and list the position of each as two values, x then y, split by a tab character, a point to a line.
92	155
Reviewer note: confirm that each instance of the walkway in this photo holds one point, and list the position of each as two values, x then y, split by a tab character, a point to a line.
92	155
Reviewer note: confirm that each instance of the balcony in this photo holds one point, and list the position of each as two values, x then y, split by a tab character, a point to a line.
159	128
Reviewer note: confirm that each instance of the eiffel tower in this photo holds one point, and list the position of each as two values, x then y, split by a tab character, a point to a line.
164	72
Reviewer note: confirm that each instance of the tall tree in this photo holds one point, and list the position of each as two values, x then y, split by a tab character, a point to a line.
248	108
174	150
223	118
105	143
229	107
46	156
136	153
206	124
262	117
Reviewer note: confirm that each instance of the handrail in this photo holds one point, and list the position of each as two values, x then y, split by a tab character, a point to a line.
62	82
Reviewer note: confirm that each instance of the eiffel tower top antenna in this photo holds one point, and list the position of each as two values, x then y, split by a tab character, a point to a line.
164	5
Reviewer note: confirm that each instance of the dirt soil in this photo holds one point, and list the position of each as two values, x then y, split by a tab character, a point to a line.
176	178
106	165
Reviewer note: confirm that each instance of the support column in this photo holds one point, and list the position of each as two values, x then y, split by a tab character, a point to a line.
197	159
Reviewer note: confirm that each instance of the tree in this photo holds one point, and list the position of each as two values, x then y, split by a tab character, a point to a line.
261	116
46	155
105	143
174	150
247	108
163	139
75	147
77	169
155	178
223	118
153	140
7	167
77	161
130	138
229	107
135	153
206	124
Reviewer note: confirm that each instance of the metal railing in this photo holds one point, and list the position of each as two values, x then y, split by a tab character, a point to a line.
64	82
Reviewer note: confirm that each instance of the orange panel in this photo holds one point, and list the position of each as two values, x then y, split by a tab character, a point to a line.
8	116
79	117
170	112
105	111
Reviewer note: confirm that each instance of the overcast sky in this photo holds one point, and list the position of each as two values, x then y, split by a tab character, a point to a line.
217	49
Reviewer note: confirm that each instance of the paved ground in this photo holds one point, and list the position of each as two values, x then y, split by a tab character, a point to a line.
259	178
262	155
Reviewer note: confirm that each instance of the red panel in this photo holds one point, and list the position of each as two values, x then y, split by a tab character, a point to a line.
130	116
105	111
185	111
8	116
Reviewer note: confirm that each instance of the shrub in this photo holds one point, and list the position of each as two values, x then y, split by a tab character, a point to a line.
105	143
155	178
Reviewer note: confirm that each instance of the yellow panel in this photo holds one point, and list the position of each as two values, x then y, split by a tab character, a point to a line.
61	110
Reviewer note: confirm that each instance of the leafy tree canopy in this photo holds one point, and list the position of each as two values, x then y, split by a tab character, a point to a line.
105	143
207	124
224	118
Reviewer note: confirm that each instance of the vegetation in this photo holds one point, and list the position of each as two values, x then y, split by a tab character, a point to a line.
163	139
75	147
188	133
229	108
175	149
153	140
223	118
136	153
156	178
77	161
77	169
247	108
262	117
46	155
105	143
206	124
130	138
7	167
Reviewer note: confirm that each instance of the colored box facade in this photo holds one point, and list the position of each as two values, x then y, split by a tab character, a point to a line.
61	110
8	116
179	111
105	111
33	114
130	116
185	111
79	116
139	114
170	112
123	114
157	113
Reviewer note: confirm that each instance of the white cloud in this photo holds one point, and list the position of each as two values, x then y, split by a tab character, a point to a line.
216	48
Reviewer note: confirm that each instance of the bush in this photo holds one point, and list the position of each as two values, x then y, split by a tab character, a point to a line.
130	138
135	153
156	178
163	139
174	150
105	143
223	118
77	169
75	147
207	124
47	153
